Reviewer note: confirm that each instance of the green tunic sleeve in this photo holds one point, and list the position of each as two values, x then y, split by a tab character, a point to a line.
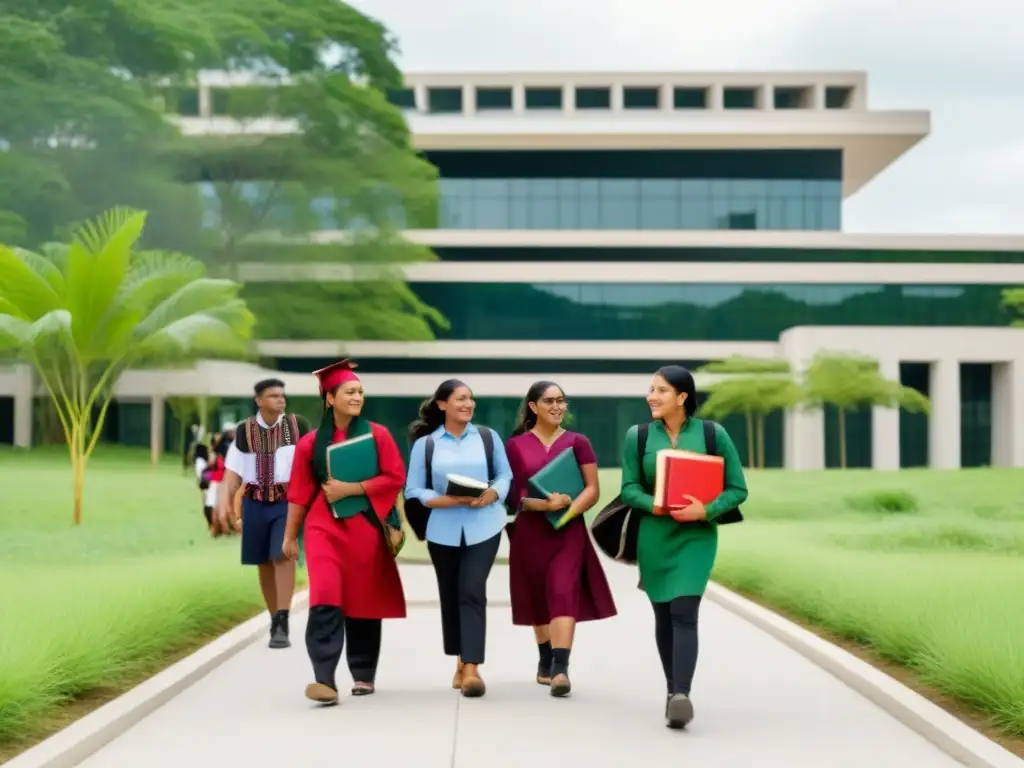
735	492
633	490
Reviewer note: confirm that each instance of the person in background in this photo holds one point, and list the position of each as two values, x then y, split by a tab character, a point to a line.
259	463
556	579
463	533
676	548
353	578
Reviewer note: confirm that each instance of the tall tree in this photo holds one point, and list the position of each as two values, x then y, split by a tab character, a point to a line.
85	85
82	314
755	387
849	382
1013	299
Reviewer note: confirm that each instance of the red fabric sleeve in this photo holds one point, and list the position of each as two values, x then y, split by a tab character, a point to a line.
583	449
383	490
302	485
520	483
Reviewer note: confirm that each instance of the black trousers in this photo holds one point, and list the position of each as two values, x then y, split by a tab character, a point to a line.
675	630
462	588
326	630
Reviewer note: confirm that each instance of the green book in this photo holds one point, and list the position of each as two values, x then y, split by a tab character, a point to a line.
352	461
560	475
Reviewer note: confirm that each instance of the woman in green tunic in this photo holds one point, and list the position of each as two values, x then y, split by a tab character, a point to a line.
676	547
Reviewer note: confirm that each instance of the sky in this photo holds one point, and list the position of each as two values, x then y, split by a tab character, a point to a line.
962	61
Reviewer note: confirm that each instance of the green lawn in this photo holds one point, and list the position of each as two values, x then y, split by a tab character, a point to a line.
937	587
93	607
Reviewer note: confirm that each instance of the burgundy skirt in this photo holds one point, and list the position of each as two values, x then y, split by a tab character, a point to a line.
555	573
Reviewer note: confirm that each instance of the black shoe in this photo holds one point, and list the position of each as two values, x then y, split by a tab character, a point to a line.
560	685
279	630
678	711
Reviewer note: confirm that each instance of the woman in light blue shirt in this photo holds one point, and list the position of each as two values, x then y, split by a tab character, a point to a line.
462	532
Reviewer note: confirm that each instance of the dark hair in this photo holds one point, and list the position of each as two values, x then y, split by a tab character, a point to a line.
527	419
681	380
263	386
431	416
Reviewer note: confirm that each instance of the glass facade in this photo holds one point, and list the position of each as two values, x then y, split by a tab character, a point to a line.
707	312
914	426
975	414
687	204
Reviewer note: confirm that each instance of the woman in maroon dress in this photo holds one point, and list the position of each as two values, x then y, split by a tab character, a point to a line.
556	577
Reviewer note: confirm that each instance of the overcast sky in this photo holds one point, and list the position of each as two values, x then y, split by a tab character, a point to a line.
963	61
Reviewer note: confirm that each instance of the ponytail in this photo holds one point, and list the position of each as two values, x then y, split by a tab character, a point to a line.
430	414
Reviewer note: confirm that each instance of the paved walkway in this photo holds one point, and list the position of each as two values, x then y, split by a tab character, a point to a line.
757	703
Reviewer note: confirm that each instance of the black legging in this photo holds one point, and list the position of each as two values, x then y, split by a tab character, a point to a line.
675	630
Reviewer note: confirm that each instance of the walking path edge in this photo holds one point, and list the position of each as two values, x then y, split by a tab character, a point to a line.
83	738
951	735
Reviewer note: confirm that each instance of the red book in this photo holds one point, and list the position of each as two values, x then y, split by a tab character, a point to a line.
686	473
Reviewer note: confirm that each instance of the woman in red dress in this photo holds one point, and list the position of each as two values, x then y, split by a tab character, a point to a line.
556	577
353	577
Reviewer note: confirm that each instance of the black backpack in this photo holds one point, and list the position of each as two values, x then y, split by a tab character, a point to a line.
616	527
418	515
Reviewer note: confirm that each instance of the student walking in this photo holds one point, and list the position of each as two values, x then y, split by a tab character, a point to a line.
260	462
462	532
353	578
556	579
676	548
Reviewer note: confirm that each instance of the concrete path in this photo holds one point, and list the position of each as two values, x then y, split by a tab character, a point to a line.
758	703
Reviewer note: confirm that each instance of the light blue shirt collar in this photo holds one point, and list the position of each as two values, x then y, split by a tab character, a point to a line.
442	432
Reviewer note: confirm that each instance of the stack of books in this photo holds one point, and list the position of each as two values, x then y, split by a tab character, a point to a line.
682	473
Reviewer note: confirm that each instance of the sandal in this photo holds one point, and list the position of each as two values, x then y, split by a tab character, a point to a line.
543	673
362	689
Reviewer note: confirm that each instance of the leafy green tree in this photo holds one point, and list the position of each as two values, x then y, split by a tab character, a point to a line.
1013	299
81	314
86	87
850	382
755	387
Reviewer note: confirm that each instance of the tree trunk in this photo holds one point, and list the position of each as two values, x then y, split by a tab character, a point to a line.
760	441
76	447
842	438
751	458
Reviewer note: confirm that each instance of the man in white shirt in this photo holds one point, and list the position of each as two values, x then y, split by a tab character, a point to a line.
260	461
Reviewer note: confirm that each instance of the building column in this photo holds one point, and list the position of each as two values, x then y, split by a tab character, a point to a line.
885	425
944	422
804	439
1008	414
156	428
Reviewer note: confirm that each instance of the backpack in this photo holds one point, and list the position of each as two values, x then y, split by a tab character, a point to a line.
617	527
416	514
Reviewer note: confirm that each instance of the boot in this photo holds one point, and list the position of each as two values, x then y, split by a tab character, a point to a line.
279	630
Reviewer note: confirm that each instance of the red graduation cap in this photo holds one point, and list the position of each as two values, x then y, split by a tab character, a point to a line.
336	374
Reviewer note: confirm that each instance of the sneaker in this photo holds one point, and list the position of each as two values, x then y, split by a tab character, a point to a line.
678	711
279	631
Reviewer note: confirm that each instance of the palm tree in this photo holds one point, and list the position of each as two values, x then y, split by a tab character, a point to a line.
83	313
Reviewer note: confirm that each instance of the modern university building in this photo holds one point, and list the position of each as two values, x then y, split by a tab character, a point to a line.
593	227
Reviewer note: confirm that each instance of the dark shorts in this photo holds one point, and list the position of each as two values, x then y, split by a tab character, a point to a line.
262	531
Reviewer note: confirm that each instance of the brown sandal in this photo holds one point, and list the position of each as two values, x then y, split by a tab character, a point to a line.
457	680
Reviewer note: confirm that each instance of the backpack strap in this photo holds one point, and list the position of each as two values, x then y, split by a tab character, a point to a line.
710	438
641	446
428	460
487	435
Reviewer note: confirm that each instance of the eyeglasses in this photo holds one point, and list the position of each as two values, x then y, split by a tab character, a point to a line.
561	402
